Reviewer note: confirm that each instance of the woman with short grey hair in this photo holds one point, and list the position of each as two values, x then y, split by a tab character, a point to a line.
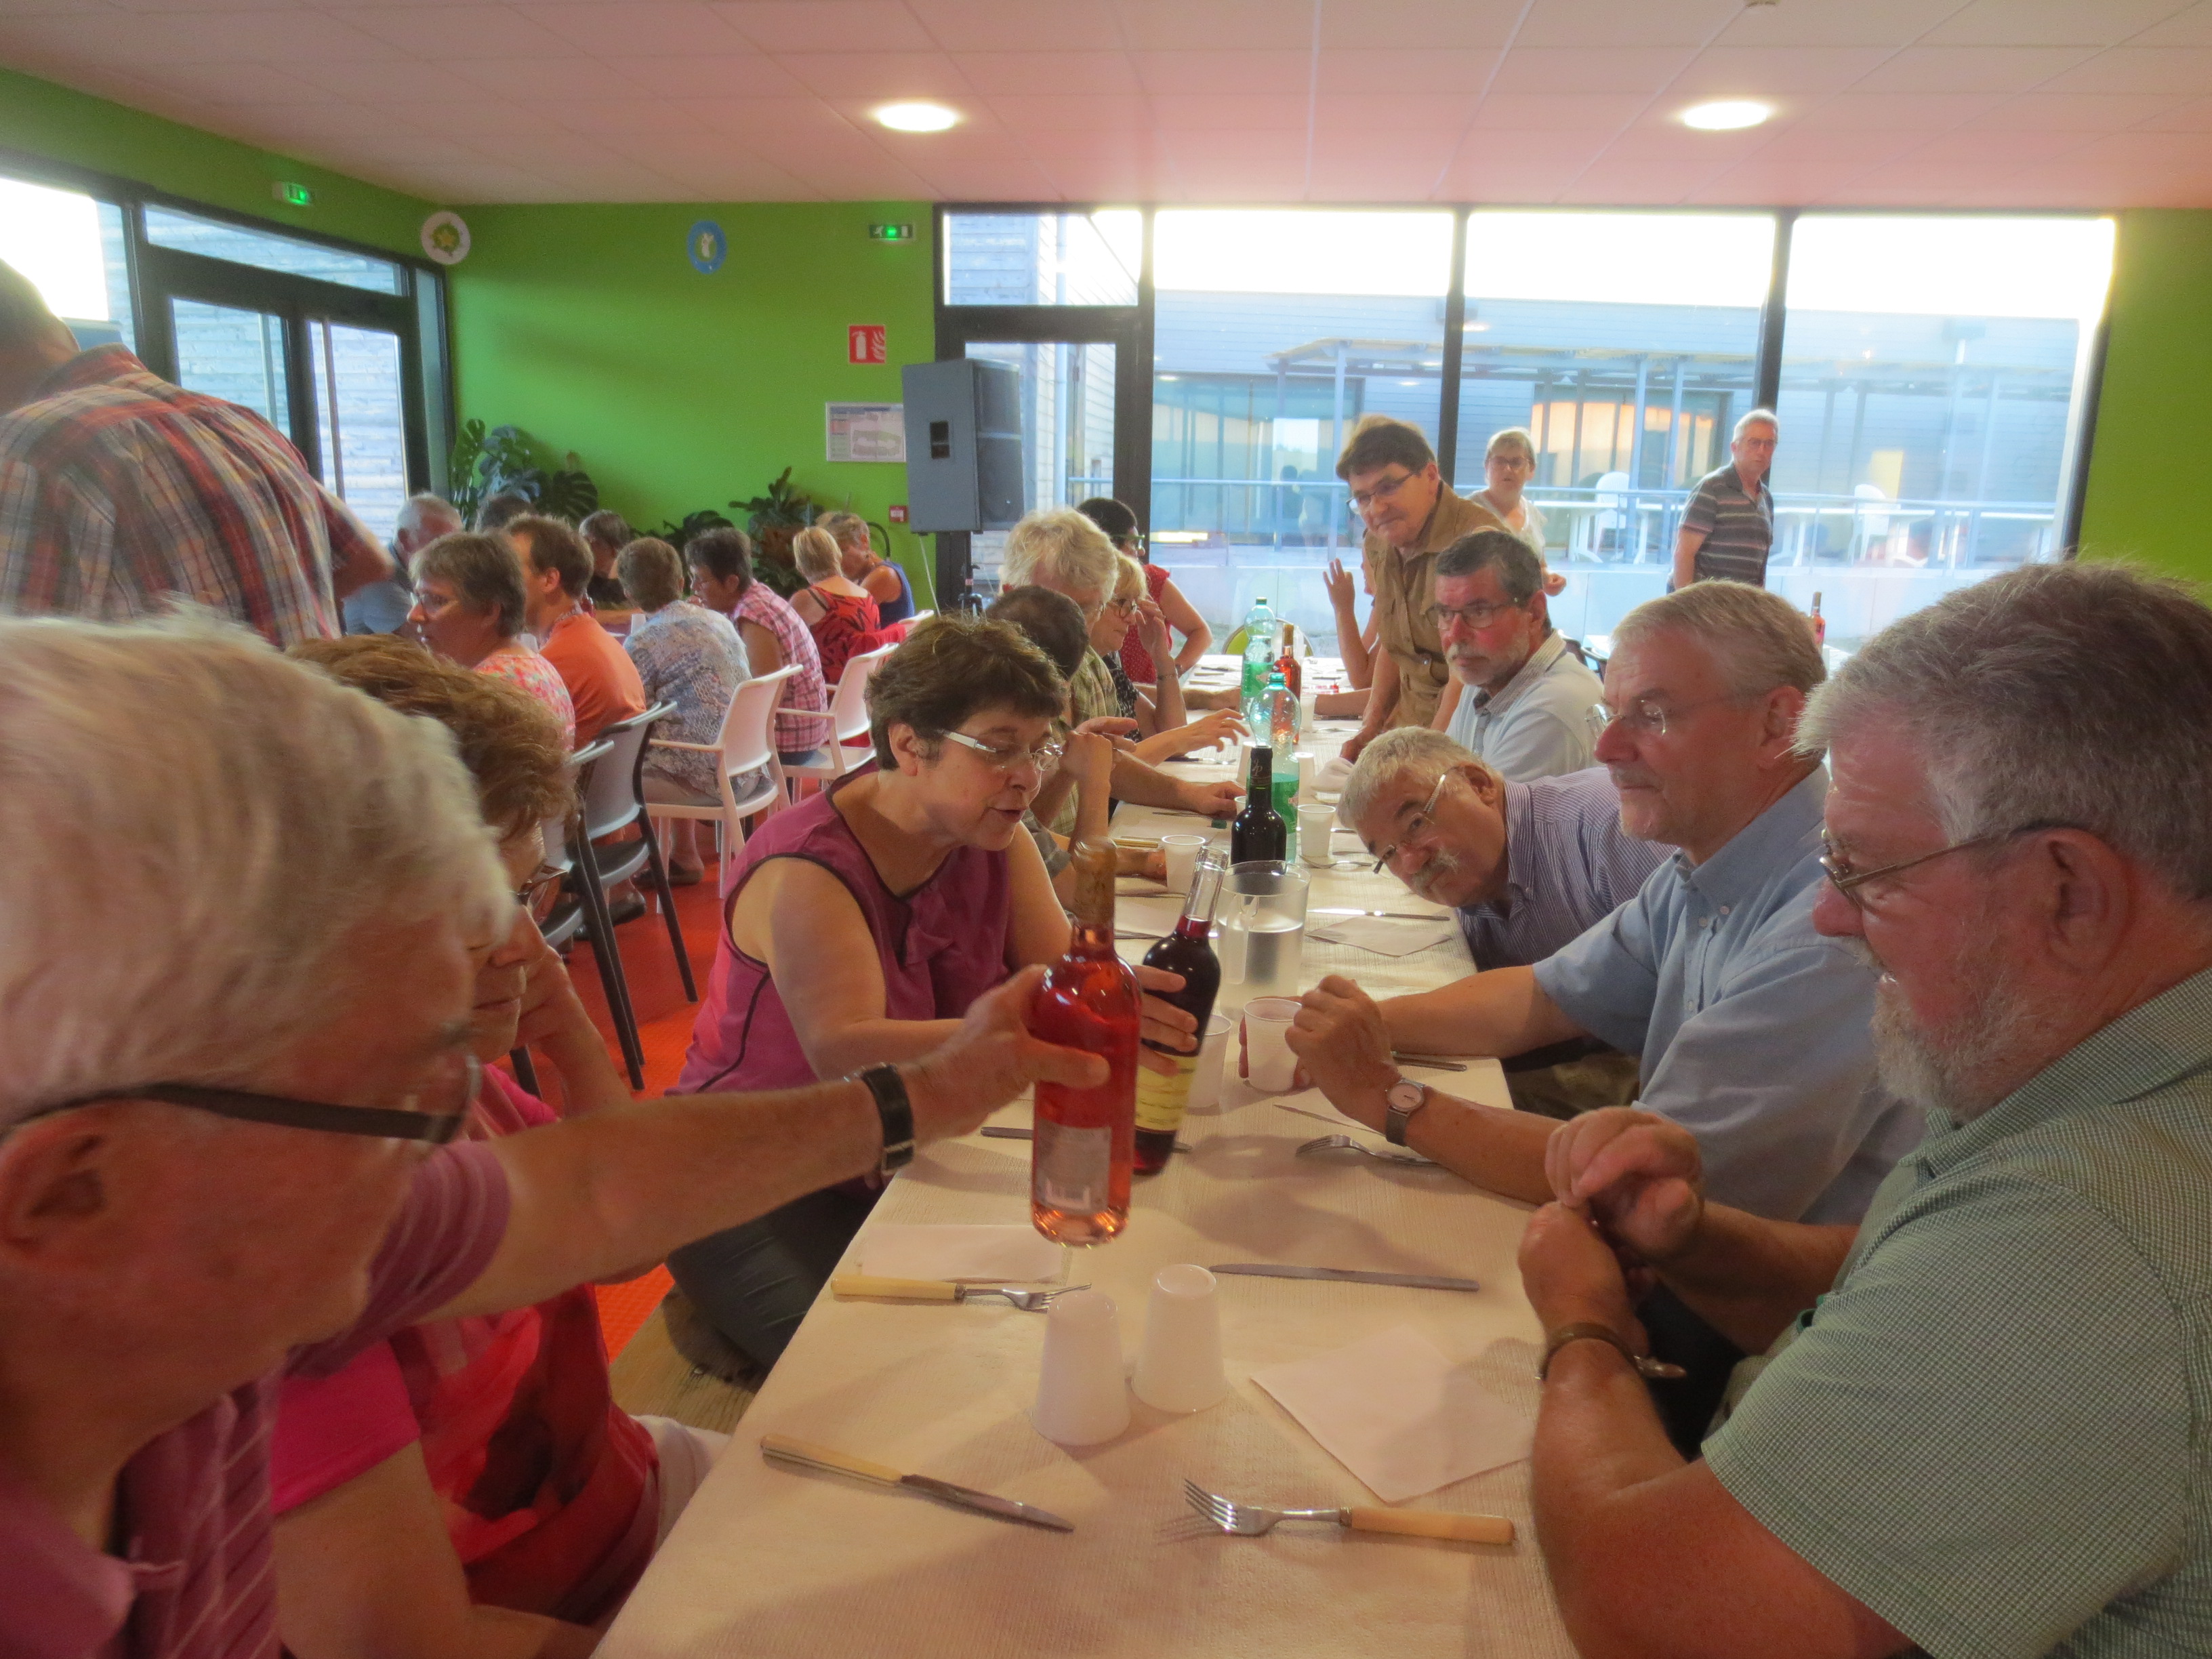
469	608
1057	547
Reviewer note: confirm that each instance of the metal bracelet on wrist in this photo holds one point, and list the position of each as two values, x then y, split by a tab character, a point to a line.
1646	1365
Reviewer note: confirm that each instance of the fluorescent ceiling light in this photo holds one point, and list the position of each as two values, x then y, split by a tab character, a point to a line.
917	118
1726	115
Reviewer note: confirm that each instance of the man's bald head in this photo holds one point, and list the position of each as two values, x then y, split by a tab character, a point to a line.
33	342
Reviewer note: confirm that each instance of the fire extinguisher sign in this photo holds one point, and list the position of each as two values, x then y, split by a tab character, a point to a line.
864	343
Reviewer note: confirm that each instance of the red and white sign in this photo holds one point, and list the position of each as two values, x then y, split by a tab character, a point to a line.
864	343
898	512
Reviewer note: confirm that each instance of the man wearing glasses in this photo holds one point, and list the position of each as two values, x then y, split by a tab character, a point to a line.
1409	515
1519	701
243	915
1751	1027
1982	1421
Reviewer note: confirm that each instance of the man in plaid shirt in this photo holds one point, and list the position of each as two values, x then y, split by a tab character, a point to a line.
118	490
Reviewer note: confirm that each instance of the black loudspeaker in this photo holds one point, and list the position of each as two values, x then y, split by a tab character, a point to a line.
964	445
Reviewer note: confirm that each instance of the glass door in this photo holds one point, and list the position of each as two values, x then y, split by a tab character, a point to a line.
235	353
1067	424
361	417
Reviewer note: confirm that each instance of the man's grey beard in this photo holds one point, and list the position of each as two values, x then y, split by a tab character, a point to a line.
1441	865
1955	1071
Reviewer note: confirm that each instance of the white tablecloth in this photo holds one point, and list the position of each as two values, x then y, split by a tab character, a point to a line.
767	1562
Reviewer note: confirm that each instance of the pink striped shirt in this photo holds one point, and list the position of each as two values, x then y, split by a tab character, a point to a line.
194	1579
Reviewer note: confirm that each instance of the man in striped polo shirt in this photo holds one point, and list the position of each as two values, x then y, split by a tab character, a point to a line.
1983	1423
1729	523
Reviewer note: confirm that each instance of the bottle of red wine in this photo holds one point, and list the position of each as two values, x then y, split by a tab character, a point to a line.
1258	832
1085	1138
1162	1100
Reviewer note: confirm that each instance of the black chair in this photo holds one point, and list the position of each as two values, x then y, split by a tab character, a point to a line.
566	918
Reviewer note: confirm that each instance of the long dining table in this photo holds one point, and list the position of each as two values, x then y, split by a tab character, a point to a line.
772	1563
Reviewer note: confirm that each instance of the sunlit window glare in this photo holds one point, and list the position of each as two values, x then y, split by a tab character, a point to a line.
1631	258
1977	266
52	236
1230	252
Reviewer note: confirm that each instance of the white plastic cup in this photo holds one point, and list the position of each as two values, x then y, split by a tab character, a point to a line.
1212	1054
1308	766
1267	1044
1081	1398
1317	824
1181	854
1243	764
1179	1368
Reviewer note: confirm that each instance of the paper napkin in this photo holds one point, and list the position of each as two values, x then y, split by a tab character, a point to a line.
1397	1413
1384	935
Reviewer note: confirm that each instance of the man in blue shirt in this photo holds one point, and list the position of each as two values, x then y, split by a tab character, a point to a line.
382	607
1519	699
1752	1028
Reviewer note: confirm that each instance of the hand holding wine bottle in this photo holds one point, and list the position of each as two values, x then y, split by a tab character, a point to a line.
991	1059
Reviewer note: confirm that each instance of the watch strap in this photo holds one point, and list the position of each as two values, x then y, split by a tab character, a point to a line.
897	1111
1646	1366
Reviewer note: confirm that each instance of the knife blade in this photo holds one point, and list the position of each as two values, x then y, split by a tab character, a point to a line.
1395	915
1345	1276
803	1453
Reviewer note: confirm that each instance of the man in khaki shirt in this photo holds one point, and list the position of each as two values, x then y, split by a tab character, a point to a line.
1410	515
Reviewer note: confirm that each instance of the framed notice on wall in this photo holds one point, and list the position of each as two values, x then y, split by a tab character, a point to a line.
866	432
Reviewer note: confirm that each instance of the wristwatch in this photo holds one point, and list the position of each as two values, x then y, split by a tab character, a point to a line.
1404	1097
897	1111
1646	1365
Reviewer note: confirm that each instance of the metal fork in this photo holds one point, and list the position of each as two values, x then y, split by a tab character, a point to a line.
1252	1521
941	1290
1342	1143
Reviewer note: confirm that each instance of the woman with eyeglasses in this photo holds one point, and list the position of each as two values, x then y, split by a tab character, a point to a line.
469	1486
1162	731
861	923
469	601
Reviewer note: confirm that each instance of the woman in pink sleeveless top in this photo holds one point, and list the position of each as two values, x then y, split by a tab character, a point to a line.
861	924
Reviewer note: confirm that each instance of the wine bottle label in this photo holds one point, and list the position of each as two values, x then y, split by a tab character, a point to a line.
1073	1170
1162	1100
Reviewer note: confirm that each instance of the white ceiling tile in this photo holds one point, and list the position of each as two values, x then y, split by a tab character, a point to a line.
828	25
1079	180
330	124
2196	116
1407	69
1029	112
876	73
1626	22
442	32
1859	149
1374	24
468	182
222	85
1387	111
1778	183
2050	22
1019	25
1219	71
2182	71
1571	151
633	116
749	74
465	117
1001	176
734	178
1884	111
390	81
789	118
1035	73
1977	152
2191	26
1194	112
543	78
641	28
1837	23
1973	69
553	153
2056	111
29	6
1591	69
1511	175
1217	25
1598	113
122	40
1767	71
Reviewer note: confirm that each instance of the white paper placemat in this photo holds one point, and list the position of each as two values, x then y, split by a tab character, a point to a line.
1398	1415
1384	935
911	1250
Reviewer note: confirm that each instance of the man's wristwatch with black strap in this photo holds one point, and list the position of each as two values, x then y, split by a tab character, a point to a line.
897	1111
1403	1098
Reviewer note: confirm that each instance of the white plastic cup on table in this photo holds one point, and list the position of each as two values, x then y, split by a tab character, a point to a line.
1179	1367
1212	1055
1181	855
1082	1395
1307	765
1317	824
1243	764
1267	1043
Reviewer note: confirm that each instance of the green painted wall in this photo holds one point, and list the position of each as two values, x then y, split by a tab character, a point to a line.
587	327
2147	495
42	119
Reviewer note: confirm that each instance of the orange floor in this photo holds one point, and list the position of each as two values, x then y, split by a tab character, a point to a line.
664	1020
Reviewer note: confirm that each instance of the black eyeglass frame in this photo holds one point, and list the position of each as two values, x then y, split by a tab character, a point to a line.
370	1122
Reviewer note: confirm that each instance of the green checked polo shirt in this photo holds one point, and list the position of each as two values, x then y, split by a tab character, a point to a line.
1996	1429
1739	527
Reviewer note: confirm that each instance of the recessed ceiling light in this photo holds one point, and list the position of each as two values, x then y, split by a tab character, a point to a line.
917	118
1726	115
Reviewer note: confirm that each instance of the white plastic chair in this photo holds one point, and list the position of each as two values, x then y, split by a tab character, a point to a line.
1871	528
747	743
1608	501
846	717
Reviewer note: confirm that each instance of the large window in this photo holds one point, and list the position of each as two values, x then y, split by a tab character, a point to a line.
1930	372
339	347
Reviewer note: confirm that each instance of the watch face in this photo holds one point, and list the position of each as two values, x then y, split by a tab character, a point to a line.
1406	1094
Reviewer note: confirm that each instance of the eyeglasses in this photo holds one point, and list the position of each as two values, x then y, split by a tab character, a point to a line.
1646	719
1848	881
1127	607
1045	758
438	1122
1480	614
1362	500
541	892
1417	828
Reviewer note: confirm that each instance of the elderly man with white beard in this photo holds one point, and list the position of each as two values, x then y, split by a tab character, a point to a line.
1983	1423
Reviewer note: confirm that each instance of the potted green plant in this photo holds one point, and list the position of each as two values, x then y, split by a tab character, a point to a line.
776	518
485	462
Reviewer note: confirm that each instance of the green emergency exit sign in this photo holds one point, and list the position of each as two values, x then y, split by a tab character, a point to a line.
890	233
292	195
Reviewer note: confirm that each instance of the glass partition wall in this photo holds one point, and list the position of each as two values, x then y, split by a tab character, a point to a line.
1930	372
